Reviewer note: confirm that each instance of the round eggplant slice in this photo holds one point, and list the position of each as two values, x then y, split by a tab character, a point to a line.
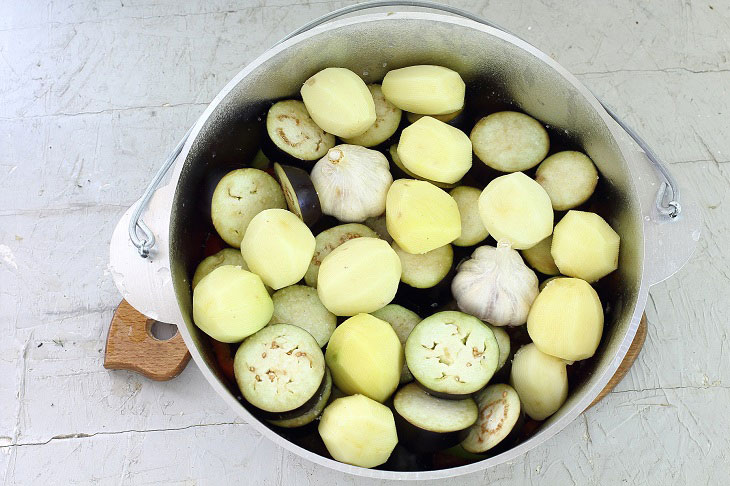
308	412
452	354
301	198
427	423
280	368
292	130
499	411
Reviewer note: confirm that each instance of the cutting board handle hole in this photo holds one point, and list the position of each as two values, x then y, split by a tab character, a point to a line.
161	330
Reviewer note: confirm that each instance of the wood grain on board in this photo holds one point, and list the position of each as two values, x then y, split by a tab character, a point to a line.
131	346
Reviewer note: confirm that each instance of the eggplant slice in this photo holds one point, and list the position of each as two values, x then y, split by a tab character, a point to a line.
293	131
308	412
429	424
499	412
301	197
280	368
452	354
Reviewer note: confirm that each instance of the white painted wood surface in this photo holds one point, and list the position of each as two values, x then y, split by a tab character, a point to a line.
94	94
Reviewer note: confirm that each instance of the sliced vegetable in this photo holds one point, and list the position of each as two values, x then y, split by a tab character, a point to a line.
300	306
393	151
380	227
387	119
428	424
339	102
495	286
361	275
402	321
435	150
308	412
280	368
425	89
301	197
224	358
427	269
452	354
516	208
568	177
230	304
420	216
278	247
260	161
292	130
359	431
352	182
227	256
566	319
447	118
585	246
239	196
503	341
330	239
472	227
540	380
364	356
540	258
510	141
499	412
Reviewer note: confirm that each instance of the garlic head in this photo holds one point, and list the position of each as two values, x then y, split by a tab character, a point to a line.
352	182
495	285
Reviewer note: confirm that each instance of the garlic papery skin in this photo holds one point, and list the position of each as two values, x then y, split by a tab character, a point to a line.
495	285
352	182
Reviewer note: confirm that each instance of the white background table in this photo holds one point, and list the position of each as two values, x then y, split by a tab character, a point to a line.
93	94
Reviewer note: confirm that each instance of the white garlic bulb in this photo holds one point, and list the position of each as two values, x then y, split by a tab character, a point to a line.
352	182
495	285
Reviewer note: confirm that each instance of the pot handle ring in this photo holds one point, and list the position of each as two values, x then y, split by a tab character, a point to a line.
667	197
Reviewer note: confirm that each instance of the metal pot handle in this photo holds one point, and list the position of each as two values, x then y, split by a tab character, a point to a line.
667	197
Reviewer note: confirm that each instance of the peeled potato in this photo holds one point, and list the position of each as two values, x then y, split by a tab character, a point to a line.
365	356
425	89
585	246
516	208
230	304
472	228
359	431
566	319
540	258
540	380
568	177
359	276
278	247
393	151
434	150
421	217
339	102
510	141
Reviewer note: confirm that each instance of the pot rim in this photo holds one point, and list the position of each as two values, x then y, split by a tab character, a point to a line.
551	429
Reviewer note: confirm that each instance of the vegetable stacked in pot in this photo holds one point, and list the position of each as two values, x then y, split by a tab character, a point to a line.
337	233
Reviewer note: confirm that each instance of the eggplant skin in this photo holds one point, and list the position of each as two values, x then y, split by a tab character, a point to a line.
424	441
299	192
307	412
438	394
